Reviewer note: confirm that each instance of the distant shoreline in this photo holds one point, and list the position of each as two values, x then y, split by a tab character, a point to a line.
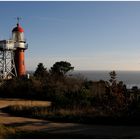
129	78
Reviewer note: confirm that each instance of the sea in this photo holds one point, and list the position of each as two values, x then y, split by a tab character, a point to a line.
129	78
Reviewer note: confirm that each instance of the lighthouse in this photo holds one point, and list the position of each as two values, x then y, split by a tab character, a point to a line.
12	60
20	47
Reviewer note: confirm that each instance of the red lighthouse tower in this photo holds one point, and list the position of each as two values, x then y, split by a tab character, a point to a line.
20	47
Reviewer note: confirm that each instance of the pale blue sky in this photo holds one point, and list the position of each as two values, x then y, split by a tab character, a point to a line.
90	35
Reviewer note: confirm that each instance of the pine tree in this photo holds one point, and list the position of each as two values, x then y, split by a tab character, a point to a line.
40	71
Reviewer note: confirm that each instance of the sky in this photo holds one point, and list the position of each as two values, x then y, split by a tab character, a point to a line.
94	35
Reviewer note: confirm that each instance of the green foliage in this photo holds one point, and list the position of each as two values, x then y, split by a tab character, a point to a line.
68	92
61	68
40	71
117	93
113	78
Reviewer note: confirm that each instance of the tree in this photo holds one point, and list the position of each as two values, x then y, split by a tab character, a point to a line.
113	80
117	92
40	71
61	68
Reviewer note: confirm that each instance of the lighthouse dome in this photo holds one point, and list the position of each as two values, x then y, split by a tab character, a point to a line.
18	29
18	34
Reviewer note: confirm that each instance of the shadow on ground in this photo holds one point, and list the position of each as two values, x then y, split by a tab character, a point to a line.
69	131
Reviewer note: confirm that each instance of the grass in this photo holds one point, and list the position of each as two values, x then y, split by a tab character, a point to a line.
6	132
7	101
65	115
13	133
77	115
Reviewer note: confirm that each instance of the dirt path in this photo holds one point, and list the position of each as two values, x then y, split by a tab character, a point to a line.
67	129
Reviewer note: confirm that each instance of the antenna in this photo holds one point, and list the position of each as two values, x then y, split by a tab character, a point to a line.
18	19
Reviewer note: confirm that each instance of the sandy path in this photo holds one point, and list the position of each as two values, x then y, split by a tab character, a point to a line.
82	130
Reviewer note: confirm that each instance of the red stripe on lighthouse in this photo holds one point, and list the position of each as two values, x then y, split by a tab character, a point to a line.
20	62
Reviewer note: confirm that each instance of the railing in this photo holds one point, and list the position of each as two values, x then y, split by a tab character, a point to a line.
26	46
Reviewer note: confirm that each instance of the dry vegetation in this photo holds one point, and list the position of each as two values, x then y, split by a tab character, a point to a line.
73	98
7	101
6	132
